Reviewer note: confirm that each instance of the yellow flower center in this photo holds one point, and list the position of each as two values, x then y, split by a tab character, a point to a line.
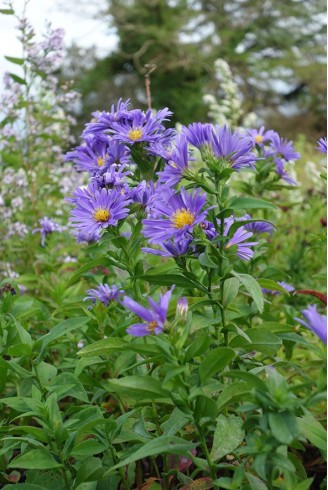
100	161
101	215
182	217
258	138
151	326
135	134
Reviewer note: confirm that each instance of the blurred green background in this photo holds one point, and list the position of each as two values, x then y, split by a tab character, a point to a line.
275	48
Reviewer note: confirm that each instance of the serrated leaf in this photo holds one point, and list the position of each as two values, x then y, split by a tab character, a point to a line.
228	435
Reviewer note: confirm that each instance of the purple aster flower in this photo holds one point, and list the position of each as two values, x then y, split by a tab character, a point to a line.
257	226
143	193
87	237
170	249
244	251
209	229
83	192
176	216
91	155
105	119
315	322
96	211
198	134
177	163
289	288
280	169
260	136
47	226
104	293
283	149
232	147
114	177
136	126
154	318
322	145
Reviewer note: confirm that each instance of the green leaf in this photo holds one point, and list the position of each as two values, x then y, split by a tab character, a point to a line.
160	445
238	224
90	470
230	291
17	79
255	483
115	344
7	11
36	459
89	447
138	387
272	285
175	422
283	426
198	346
172	279
205	260
104	346
100	261
252	287
253	380
313	431
215	361
22	404
234	392
58	331
27	486
261	340
16	61
250	203
66	384
228	435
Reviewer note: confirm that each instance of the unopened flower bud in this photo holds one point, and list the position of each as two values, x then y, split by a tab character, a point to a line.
182	309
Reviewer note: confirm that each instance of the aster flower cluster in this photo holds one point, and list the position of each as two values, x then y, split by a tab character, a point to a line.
173	214
271	146
177	218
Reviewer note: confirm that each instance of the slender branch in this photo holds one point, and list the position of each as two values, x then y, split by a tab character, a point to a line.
150	69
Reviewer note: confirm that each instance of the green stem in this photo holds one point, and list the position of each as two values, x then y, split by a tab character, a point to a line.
210	463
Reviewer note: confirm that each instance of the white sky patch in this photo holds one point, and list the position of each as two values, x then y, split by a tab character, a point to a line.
81	29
